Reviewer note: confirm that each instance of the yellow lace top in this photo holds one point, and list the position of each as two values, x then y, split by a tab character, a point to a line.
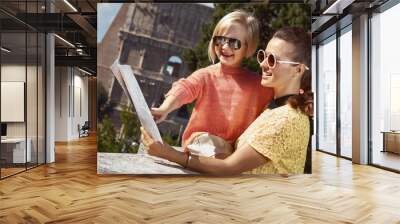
282	136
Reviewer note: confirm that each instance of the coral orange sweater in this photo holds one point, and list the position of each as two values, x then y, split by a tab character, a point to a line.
228	100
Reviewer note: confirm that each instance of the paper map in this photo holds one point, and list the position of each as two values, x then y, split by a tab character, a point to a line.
129	84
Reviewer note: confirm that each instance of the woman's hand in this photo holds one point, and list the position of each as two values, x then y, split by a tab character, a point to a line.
190	140
154	148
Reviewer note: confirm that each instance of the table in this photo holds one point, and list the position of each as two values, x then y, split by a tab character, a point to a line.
141	163
391	141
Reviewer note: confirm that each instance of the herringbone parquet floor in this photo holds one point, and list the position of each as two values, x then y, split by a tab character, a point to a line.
70	191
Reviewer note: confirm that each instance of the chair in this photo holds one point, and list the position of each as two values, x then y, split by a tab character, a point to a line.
84	130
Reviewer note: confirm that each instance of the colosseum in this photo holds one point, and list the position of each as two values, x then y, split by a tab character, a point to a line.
151	39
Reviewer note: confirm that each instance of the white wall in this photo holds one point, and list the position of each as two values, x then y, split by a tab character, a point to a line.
71	94
15	73
61	103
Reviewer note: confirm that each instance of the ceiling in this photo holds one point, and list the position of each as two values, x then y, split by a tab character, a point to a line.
74	22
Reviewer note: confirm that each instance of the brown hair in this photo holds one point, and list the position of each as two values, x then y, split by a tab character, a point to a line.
301	40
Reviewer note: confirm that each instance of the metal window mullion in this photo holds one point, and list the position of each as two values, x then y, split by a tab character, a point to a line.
72	94
338	94
369	100
317	98
69	92
26	86
0	91
37	90
45	94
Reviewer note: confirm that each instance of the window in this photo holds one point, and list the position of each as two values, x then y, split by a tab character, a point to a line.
385	87
173	66
345	42
326	94
22	66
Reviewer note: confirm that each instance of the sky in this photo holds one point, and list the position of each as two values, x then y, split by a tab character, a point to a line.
211	5
106	13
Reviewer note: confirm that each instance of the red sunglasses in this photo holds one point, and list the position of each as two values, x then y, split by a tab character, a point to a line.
272	60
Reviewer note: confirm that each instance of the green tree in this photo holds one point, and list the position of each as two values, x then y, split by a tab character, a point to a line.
271	17
170	140
129	141
106	140
105	107
130	131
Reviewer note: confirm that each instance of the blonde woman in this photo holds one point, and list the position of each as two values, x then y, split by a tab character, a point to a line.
221	89
276	142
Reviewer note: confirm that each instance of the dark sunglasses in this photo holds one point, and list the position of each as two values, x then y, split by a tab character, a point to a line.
272	60
233	43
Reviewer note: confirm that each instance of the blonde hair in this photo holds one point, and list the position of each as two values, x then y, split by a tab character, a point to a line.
239	17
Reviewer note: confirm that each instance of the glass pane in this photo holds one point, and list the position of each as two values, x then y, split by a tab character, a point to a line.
31	98
13	86
346	94
23	57
327	96
385	86
41	98
32	85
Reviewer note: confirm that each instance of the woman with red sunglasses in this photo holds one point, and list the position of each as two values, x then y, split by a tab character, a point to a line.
276	142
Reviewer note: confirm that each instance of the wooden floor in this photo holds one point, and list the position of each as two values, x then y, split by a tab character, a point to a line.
5	172
70	191
8	171
387	159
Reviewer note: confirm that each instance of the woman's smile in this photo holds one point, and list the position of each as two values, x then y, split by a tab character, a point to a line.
266	75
